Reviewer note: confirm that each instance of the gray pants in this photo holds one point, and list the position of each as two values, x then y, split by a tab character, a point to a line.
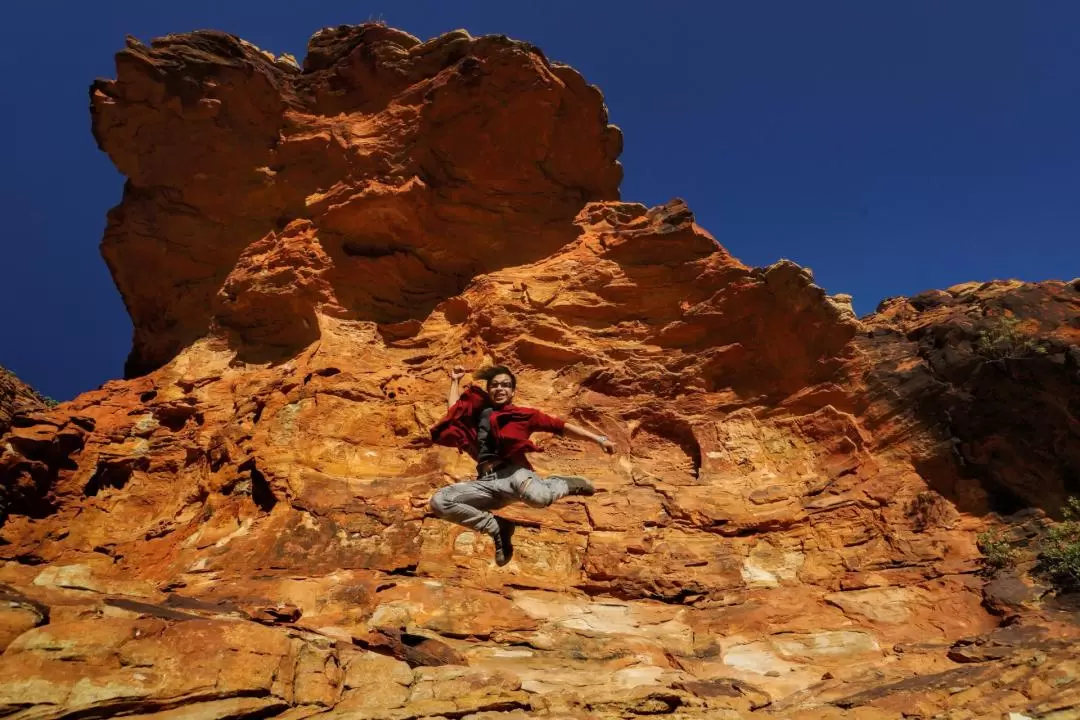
470	503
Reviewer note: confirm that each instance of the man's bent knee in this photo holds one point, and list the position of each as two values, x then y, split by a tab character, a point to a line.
441	502
538	497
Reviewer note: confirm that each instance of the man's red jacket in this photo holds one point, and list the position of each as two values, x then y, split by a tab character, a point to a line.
511	427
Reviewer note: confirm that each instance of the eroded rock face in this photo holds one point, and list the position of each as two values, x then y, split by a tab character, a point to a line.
242	529
18	401
992	370
259	194
1020	431
15	397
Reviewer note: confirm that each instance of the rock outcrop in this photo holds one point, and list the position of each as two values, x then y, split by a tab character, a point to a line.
1000	364
240	528
17	400
15	397
372	185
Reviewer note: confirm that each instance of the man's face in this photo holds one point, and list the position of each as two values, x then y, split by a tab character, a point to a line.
501	389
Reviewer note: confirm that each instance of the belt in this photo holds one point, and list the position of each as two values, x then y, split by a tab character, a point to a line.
489	466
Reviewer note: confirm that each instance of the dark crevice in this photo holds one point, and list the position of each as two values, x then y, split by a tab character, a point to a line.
145	706
85	423
219	607
675	596
109	551
763	528
496	706
360	250
414	650
267	712
107	476
261	493
1002	499
157	611
174	421
410	640
9	594
217	459
407	571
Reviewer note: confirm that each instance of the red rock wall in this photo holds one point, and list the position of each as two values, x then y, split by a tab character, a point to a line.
241	527
413	165
15	397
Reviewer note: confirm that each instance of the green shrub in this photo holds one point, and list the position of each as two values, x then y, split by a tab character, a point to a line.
1004	339
997	552
1059	551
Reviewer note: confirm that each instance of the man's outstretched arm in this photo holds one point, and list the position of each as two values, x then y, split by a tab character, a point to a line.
542	422
456	374
602	441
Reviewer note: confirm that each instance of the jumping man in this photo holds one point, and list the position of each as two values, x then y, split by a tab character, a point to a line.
495	432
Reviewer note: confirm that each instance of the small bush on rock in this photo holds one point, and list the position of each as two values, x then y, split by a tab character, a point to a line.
1059	551
997	552
1004	339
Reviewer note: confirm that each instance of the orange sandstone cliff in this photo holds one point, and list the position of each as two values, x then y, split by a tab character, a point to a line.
239	529
16	397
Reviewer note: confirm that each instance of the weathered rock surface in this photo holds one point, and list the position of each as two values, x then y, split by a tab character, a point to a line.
259	194
15	397
240	529
17	401
999	382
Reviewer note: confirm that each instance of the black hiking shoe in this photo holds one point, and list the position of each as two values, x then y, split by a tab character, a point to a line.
504	546
579	485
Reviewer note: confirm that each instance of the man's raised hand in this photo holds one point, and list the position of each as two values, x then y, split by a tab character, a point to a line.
456	373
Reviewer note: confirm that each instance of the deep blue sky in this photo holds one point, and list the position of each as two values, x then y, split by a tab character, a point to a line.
892	147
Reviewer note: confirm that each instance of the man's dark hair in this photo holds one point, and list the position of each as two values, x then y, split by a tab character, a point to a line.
489	373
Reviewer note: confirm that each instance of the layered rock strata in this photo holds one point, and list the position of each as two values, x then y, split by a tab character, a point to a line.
240	527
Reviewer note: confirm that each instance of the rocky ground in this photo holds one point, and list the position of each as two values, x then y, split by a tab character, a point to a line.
239	529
